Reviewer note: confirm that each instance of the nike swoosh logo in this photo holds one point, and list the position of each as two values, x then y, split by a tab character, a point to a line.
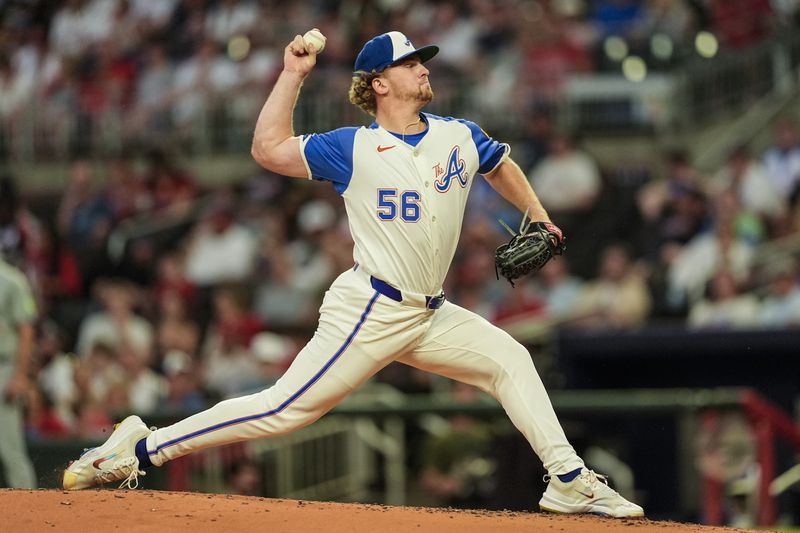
100	461
589	495
384	148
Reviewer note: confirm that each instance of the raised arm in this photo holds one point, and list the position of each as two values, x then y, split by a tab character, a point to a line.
510	182
275	146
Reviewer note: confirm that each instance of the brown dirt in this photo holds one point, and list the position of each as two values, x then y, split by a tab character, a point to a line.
155	511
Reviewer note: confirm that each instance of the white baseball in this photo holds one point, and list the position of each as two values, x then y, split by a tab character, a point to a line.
316	38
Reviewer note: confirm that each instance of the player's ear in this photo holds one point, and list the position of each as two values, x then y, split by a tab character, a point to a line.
379	85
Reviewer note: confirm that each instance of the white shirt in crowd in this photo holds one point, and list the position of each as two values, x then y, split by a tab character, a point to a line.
101	327
221	257
567	182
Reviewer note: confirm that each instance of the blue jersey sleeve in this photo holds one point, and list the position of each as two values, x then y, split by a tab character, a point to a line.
490	152
329	156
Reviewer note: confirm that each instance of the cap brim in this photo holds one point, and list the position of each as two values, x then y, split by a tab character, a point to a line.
424	52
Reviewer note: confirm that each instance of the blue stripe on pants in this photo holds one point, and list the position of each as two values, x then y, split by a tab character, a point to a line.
290	400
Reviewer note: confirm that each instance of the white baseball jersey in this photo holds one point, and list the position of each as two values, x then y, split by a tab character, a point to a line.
405	203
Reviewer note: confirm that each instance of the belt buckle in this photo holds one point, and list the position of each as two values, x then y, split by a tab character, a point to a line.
434	302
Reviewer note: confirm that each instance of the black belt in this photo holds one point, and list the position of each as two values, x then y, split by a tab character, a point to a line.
431	302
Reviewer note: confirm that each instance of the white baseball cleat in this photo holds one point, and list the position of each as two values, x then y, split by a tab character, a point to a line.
113	461
587	493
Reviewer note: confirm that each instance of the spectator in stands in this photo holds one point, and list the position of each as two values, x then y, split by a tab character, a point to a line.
741	23
146	389
550	54
102	385
782	159
472	267
175	330
60	282
686	214
725	306
256	71
230	366
229	18
183	389
567	180
568	184
312	269
127	31
457	37
68	32
696	263
185	28
36	63
15	93
85	220
558	289
498	61
781	307
277	301
656	198
539	127
152	15
197	84
171	187
117	325
618	298
220	249
127	190
56	376
522	303
42	419
151	106
750	182
171	279
747	225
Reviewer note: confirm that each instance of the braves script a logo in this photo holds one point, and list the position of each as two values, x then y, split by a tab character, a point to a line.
456	168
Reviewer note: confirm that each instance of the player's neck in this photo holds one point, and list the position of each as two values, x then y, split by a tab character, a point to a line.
404	122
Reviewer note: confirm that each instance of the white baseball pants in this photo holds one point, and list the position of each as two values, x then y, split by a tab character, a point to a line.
361	331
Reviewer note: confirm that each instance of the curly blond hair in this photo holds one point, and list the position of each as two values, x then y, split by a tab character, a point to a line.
361	93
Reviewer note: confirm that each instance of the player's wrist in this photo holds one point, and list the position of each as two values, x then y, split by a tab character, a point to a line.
549	227
293	74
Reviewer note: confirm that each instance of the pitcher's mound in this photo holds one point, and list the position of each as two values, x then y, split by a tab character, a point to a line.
155	511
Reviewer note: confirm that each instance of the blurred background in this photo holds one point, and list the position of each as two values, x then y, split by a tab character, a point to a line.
171	272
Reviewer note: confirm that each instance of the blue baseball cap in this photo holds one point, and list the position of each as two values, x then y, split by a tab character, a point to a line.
383	50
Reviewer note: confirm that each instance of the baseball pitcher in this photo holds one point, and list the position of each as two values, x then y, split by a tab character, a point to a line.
404	180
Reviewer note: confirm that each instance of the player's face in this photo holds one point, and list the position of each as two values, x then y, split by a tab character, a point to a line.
409	82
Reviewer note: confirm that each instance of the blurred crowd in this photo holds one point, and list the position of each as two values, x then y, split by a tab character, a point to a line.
215	290
75	73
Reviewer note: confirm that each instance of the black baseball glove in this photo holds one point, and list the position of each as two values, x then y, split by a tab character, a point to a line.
528	250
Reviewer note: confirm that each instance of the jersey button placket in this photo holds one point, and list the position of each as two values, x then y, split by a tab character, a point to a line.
421	168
